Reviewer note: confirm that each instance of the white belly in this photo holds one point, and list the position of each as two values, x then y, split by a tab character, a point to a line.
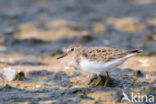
100	67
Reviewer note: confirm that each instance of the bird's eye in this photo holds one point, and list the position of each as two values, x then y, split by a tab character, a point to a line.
72	49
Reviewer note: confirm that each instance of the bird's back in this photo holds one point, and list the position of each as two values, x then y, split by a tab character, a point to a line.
106	54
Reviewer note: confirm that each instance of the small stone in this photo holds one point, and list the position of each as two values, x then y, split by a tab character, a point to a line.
21	76
9	74
138	73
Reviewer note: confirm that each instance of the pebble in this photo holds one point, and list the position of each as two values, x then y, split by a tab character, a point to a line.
9	74
139	73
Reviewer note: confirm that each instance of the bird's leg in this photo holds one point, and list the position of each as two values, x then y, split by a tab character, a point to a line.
99	80
107	79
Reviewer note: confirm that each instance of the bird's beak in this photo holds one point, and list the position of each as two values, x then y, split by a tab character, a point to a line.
62	56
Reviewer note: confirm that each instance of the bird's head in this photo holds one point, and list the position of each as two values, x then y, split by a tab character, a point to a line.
72	51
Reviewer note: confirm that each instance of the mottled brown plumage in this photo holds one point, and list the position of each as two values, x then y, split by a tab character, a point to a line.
104	54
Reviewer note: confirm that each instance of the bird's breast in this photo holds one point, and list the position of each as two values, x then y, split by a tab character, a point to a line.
91	66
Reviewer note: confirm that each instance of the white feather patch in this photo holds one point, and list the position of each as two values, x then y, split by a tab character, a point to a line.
99	67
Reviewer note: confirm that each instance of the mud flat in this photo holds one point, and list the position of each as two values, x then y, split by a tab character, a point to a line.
34	32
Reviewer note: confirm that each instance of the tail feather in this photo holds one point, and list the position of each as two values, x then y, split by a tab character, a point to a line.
135	51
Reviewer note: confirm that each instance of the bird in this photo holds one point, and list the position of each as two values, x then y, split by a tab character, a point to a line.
98	59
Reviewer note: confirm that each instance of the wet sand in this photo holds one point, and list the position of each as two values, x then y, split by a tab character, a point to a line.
34	32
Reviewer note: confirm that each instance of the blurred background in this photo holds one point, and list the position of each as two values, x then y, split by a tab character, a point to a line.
34	32
41	28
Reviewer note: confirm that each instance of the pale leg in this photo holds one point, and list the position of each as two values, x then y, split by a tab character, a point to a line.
99	80
107	79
